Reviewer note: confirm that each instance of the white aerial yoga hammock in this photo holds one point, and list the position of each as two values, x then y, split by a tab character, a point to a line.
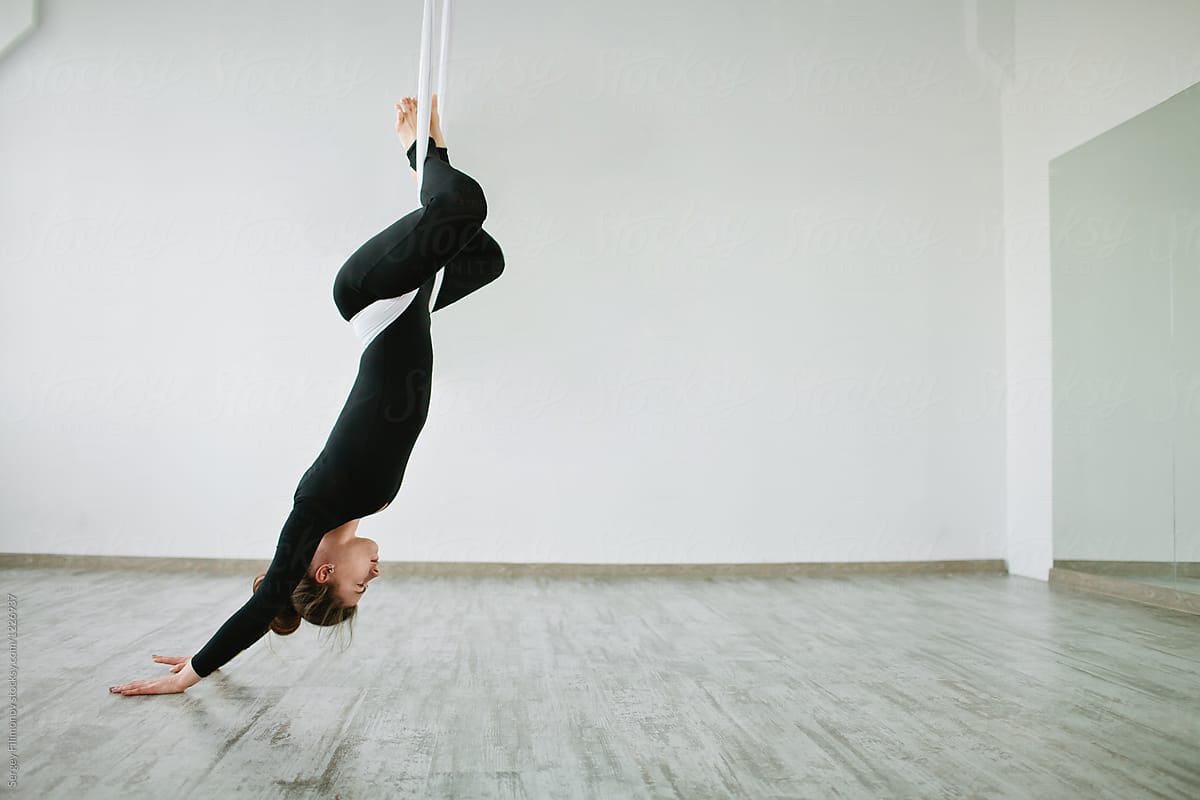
368	323
423	99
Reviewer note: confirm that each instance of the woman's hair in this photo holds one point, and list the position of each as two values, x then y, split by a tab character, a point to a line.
311	601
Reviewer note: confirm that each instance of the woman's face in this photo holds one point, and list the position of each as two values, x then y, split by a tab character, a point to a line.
356	566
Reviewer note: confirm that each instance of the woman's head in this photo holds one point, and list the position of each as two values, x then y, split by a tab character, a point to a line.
310	601
345	563
336	580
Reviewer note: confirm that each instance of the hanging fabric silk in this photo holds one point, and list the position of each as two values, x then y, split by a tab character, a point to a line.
370	321
424	97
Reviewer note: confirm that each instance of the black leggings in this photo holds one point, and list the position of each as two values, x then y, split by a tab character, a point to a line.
407	253
362	464
360	468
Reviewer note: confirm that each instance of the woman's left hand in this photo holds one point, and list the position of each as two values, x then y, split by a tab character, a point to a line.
182	676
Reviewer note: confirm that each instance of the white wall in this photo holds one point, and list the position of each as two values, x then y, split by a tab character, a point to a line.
753	307
1082	67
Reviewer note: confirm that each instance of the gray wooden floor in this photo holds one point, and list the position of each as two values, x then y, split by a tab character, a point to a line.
861	687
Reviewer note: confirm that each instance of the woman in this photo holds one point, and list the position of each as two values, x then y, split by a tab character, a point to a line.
321	568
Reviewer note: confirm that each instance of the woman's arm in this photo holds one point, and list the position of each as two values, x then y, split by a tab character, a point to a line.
297	543
245	627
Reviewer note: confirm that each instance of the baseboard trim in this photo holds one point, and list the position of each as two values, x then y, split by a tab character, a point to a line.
1130	569
251	567
1121	588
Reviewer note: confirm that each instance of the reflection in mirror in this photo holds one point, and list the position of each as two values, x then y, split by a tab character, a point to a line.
17	20
1125	287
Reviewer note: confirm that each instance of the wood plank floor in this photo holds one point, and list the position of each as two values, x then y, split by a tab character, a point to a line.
859	687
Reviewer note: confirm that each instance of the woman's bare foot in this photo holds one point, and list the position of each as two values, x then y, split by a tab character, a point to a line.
406	122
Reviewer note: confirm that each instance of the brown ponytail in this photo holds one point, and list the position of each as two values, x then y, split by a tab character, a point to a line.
311	601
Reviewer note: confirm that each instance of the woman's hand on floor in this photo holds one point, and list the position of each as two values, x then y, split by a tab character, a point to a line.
178	661
182	676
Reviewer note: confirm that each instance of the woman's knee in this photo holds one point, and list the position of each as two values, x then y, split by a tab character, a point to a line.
346	298
463	200
494	258
452	226
473	203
